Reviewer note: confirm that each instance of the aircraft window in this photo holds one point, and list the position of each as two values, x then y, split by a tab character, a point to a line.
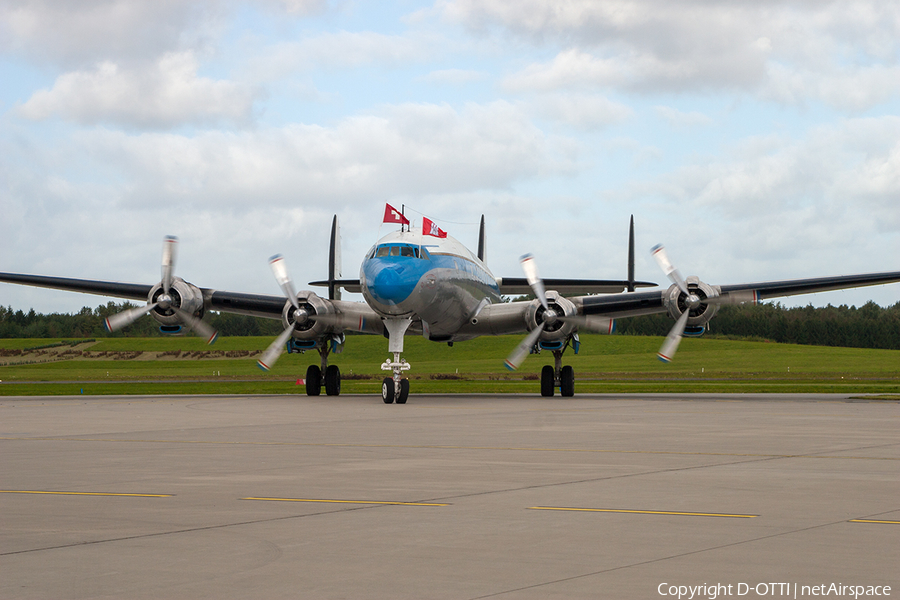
407	250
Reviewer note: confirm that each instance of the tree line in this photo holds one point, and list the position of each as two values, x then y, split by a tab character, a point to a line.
869	326
88	323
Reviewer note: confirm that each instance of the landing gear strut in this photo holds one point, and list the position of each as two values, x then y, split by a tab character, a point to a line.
395	388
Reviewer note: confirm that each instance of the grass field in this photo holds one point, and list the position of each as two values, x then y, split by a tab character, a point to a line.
605	364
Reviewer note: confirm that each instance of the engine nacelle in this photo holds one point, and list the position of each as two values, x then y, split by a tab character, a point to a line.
554	330
185	296
675	302
304	327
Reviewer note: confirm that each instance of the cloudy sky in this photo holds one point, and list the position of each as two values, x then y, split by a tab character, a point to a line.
756	139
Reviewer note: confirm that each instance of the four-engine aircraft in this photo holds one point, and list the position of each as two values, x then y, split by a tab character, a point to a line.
424	282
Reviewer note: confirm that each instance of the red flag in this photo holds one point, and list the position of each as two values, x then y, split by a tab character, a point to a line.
392	215
430	228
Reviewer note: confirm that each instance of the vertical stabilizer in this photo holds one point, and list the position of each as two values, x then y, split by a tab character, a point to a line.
630	255
334	261
481	240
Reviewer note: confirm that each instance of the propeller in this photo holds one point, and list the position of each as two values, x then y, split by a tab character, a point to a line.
691	302
300	314
550	316
164	301
279	269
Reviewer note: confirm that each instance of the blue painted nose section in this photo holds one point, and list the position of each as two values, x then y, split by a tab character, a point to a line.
388	281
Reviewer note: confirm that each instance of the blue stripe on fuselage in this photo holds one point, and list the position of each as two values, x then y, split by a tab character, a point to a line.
388	281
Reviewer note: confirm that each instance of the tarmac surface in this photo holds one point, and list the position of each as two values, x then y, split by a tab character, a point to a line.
462	496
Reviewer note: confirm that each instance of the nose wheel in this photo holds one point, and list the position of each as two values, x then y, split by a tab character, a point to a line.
391	392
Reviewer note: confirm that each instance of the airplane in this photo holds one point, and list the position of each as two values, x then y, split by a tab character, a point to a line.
423	281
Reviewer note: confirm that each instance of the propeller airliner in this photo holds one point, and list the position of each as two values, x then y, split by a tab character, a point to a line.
425	282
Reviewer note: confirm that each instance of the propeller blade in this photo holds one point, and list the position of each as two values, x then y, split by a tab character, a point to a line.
279	269
270	356
127	317
518	355
662	259
667	352
170	245
196	325
593	323
529	265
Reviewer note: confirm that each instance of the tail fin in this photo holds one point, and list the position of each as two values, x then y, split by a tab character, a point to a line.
334	261
630	255
481	241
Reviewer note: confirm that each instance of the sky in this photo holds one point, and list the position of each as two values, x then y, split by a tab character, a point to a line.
757	139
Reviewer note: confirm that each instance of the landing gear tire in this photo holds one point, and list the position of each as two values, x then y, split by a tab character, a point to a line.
404	391
333	380
387	390
547	381
313	380
567	381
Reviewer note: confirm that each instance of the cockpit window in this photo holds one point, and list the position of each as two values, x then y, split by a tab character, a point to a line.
405	250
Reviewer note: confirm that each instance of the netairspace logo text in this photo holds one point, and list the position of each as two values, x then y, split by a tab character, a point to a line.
789	590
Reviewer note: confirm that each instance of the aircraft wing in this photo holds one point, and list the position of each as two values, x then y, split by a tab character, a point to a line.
645	303
352	314
129	291
519	285
259	305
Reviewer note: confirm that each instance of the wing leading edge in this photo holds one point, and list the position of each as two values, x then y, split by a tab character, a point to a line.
645	303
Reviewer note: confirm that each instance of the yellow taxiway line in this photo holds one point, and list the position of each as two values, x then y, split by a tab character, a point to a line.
643	512
875	521
84	493
346	501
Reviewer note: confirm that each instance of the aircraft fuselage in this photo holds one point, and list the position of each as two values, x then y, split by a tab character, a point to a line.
437	280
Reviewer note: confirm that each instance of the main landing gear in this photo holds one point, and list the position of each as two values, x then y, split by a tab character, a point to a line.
327	376
558	376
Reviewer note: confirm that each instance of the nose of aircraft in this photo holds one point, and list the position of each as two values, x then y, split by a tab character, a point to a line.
387	283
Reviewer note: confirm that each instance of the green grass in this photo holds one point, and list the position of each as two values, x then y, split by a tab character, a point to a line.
618	364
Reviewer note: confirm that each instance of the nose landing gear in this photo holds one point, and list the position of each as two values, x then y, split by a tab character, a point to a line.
395	388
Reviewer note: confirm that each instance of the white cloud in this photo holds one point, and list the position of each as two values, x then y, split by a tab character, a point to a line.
682	120
403	150
162	94
843	53
341	50
583	111
75	33
779	207
455	76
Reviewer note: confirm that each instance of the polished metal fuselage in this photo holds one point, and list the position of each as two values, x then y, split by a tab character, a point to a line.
437	281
